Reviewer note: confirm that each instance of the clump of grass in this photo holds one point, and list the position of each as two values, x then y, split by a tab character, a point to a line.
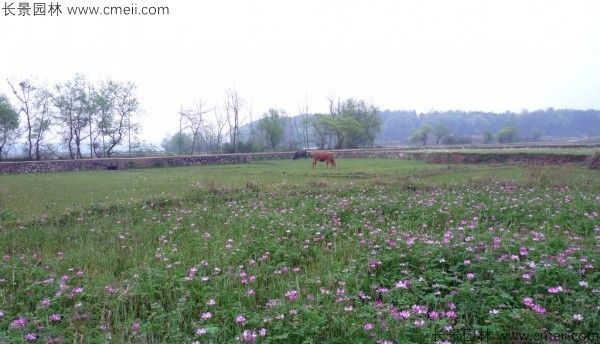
594	161
535	175
318	183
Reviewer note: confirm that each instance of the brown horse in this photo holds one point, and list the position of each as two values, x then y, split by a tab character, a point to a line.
323	156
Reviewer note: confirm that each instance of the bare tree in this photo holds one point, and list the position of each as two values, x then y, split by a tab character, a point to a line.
126	106
334	111
24	93
305	123
194	119
35	104
212	130
233	106
217	128
91	112
43	119
180	137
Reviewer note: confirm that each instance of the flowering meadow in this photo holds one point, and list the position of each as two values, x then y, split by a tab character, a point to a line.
340	257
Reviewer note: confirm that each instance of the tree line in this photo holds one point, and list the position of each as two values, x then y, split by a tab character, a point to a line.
87	120
459	127
350	123
78	119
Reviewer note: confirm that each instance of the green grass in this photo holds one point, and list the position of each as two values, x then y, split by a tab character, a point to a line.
308	256
46	194
29	196
512	150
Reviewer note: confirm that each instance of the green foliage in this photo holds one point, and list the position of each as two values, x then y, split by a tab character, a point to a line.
272	125
244	147
9	117
352	124
456	140
111	108
440	131
360	124
422	134
178	143
507	134
488	136
9	122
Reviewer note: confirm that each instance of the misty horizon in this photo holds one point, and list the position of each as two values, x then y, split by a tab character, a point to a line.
426	55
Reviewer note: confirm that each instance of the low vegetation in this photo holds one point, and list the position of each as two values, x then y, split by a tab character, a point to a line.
376	251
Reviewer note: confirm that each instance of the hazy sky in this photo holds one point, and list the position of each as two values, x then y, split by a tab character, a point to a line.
423	55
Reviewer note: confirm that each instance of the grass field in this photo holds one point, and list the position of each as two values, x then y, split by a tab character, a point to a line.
512	150
375	251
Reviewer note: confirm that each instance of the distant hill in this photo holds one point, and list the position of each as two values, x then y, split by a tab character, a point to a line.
540	125
543	124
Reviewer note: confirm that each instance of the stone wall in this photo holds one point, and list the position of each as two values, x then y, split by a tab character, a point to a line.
164	161
212	159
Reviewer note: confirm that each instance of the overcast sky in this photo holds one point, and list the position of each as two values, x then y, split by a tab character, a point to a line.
422	55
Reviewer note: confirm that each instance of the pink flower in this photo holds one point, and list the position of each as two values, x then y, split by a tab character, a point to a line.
55	317
249	336
577	317
240	319
447	236
20	322
470	276
404	284
292	295
434	315
206	316
419	309
496	243
201	331
262	332
110	289
419	323
2	315
374	264
539	309
211	302
31	337
527	301
555	290
523	251
404	314
45	302
368	326
451	314
135	326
